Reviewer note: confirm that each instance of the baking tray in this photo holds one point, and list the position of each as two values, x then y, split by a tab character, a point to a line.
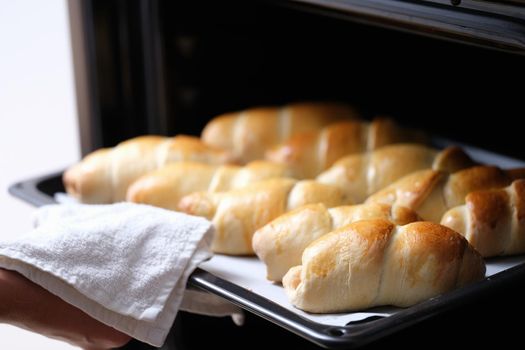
241	280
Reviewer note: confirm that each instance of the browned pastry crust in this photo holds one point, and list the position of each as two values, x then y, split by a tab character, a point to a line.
281	242
493	221
373	262
431	193
308	154
248	134
104	175
166	186
237	214
361	175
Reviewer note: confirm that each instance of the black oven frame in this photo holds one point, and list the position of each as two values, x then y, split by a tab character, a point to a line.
153	66
126	85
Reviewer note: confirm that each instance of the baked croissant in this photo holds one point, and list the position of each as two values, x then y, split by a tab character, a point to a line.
237	214
166	186
308	154
249	133
374	262
431	193
104	175
493	221
281	242
360	175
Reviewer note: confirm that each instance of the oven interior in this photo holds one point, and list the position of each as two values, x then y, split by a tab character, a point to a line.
168	67
189	61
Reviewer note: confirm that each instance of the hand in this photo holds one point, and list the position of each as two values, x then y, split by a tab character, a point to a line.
27	305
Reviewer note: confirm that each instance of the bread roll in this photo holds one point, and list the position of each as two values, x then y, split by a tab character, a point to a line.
104	175
373	262
310	153
431	193
166	186
237	214
281	242
361	175
248	134
493	221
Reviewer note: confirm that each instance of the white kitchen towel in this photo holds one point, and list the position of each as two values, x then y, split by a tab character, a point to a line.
124	264
208	304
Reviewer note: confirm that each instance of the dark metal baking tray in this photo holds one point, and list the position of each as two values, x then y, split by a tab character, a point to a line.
41	190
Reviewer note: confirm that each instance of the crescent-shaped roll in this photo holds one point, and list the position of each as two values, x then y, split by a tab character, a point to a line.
105	175
374	262
361	175
166	186
310	153
431	193
237	214
493	221
248	134
281	242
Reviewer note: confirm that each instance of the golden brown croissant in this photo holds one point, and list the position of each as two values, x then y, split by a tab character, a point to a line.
431	193
493	221
166	186
281	242
249	133
237	214
373	262
104	175
308	154
360	175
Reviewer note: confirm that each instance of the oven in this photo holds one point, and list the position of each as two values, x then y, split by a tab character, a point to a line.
453	68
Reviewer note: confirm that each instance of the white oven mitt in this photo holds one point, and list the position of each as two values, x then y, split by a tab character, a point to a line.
124	264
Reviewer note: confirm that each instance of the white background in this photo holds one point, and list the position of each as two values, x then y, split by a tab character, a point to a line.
38	126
